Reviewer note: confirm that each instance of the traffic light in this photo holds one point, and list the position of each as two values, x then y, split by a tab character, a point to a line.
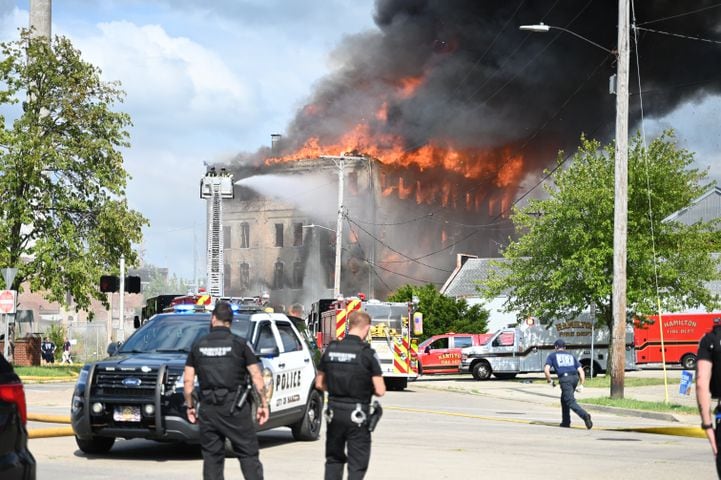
109	283
132	284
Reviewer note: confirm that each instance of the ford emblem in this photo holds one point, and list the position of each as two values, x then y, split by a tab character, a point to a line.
132	382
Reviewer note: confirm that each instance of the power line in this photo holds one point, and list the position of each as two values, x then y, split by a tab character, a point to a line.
678	35
680	14
404	222
393	249
350	227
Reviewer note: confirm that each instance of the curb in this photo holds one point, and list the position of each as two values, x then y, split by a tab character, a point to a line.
628	412
39	417
35	379
51	432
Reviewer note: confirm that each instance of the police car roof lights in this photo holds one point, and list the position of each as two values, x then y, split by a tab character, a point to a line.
184	308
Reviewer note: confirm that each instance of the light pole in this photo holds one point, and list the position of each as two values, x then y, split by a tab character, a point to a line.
620	204
339	161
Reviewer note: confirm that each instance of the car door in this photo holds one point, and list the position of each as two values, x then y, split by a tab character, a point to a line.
505	352
266	337
297	373
433	353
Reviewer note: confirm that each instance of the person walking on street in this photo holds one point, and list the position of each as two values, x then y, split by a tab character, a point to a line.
350	372
708	386
223	362
569	371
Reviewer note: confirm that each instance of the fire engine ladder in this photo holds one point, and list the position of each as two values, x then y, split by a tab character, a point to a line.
215	242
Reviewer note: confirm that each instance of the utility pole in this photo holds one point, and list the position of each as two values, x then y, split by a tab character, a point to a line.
121	302
41	18
338	229
620	209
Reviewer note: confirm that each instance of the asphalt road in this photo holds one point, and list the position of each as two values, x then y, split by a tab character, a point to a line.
424	434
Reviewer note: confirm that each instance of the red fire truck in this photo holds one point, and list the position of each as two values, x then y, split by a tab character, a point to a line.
390	334
681	334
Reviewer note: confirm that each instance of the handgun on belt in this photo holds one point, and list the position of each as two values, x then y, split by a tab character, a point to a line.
375	415
241	395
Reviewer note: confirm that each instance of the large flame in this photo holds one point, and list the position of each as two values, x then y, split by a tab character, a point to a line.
501	168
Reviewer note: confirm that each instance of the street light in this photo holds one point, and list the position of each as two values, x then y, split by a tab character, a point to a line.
620	205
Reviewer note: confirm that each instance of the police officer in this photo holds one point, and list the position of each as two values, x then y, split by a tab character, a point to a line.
569	371
350	372
223	362
708	385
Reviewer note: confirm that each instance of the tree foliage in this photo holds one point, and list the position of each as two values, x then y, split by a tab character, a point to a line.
442	314
64	219
163	285
563	261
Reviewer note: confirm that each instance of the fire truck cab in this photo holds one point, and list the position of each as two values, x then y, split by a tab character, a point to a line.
389	335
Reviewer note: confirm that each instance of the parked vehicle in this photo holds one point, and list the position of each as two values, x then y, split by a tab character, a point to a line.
524	349
16	461
442	353
681	334
137	392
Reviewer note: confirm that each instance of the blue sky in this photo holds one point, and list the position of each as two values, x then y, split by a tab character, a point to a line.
204	81
208	79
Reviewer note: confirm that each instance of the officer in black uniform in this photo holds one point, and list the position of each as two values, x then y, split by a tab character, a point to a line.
350	372
223	362
708	385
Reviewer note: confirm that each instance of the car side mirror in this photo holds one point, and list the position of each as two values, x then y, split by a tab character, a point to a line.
427	350
136	321
113	348
269	352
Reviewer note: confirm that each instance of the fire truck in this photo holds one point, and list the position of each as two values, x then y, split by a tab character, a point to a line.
680	333
389	336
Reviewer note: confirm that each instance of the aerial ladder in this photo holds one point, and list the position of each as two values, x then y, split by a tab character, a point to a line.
214	188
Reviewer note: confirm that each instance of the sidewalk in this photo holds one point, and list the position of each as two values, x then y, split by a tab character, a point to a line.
520	390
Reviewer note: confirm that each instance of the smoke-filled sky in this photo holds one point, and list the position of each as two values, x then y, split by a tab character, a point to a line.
207	80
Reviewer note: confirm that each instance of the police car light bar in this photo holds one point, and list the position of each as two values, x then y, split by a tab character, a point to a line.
184	308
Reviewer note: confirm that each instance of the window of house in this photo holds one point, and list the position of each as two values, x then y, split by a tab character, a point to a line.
226	277
297	234
298	274
244	235
278	234
244	276
226	236
278	276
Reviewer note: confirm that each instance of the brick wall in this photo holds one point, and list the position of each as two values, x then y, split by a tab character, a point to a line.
27	351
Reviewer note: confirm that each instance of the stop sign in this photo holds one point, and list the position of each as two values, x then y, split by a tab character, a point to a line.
7	301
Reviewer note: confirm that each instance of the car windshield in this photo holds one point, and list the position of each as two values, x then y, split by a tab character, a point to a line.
177	333
388	314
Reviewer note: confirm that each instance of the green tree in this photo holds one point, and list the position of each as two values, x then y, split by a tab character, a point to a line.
64	219
163	285
563	262
443	314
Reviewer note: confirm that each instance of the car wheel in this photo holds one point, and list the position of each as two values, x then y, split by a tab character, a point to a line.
688	361
505	376
308	428
95	445
482	370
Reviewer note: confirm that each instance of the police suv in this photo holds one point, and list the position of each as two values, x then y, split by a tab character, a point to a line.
137	392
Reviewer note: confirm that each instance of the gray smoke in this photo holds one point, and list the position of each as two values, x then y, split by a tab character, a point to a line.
487	85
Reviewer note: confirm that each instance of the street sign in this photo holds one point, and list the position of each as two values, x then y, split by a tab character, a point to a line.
8	275
7	301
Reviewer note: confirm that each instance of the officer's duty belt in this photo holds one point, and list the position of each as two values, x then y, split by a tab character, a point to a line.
341	405
570	374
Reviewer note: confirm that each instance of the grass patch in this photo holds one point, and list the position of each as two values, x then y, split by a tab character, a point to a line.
605	381
640	405
48	371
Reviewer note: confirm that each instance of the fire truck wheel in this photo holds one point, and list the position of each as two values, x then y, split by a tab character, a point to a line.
308	428
688	361
95	445
482	370
396	384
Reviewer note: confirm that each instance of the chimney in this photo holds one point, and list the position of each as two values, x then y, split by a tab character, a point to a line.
41	18
274	139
